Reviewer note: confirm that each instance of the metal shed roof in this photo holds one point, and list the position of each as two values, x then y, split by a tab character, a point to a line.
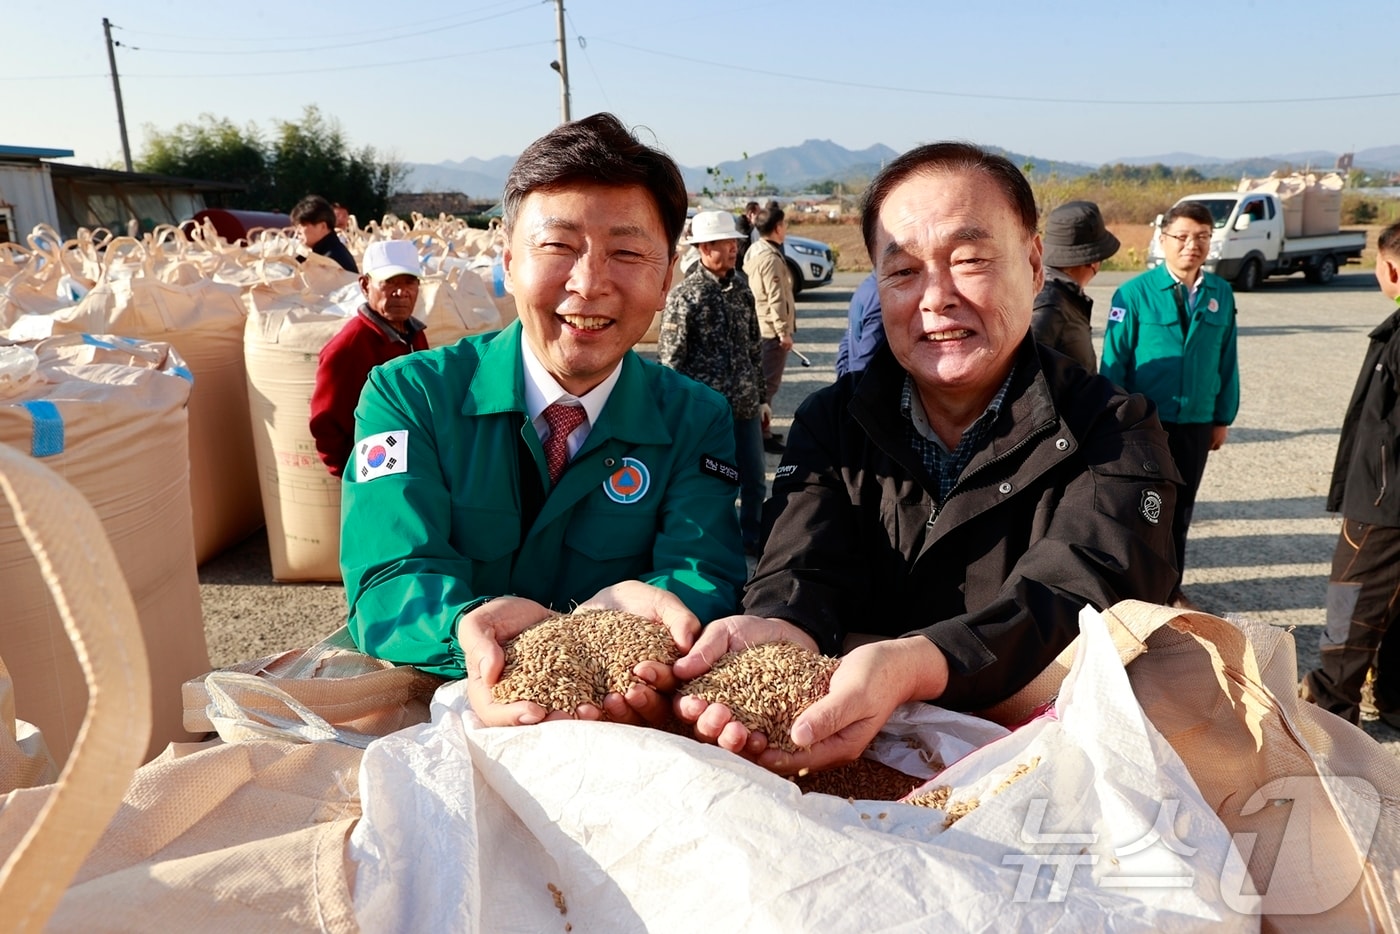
34	152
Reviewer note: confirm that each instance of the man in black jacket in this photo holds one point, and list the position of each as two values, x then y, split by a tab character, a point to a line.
315	221
1076	245
941	521
1361	593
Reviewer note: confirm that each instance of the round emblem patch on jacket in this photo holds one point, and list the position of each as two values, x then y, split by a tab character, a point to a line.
629	482
1151	507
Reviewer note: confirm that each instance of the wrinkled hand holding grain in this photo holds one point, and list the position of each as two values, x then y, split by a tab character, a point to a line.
767	687
573	659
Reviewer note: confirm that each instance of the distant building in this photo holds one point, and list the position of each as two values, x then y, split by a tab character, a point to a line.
34	191
433	203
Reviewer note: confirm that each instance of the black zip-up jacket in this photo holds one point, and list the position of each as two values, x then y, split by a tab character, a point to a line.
1061	317
1366	476
1069	502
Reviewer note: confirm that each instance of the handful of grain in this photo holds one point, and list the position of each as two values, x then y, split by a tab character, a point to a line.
767	687
573	659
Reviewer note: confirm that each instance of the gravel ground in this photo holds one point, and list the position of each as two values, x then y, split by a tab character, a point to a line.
1260	546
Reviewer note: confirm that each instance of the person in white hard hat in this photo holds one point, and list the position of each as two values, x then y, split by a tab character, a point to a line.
709	332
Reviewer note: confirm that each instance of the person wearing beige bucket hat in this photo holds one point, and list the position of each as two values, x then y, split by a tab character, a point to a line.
1076	245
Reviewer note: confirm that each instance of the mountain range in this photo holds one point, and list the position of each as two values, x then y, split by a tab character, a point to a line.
794	168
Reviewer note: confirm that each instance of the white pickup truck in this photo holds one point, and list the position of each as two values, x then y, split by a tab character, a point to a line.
1249	243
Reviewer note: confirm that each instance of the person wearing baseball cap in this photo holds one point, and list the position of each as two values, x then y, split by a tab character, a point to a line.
1076	245
709	332
382	329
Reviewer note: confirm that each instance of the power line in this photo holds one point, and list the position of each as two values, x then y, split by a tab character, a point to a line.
1015	98
377	40
359	66
302	36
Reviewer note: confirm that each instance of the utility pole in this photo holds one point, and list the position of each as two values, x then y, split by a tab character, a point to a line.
561	65
117	89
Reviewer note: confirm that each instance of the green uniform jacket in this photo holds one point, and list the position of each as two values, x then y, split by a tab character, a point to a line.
1193	381
421	546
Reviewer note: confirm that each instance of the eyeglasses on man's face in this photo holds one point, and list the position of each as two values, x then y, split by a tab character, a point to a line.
1201	239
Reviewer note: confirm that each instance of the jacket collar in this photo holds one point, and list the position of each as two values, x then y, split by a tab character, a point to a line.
1028	409
1386	328
1059	278
631	414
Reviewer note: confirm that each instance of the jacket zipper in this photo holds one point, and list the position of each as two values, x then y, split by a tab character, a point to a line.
961	485
1381	495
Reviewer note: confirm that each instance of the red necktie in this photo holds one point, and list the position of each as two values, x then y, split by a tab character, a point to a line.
562	420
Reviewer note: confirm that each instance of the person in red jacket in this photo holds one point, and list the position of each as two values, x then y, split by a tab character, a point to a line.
384	328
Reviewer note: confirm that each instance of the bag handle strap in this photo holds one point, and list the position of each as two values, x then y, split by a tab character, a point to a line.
81	572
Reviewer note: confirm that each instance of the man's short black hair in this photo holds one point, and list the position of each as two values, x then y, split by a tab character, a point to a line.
768	220
314	209
1389	241
1191	211
597	150
943	159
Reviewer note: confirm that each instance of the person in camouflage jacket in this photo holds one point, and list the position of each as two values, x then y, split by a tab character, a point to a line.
709	332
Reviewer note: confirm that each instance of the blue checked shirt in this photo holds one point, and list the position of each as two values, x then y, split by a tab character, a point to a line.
942	466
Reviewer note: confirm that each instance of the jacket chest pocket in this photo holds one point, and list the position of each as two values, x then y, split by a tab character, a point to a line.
608	535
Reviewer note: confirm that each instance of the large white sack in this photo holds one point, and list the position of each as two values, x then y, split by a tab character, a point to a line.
474	829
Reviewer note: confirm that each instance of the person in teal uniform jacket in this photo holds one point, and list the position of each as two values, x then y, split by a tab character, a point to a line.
518	474
1171	336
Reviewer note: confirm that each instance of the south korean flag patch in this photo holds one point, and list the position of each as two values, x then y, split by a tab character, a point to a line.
381	455
1116	313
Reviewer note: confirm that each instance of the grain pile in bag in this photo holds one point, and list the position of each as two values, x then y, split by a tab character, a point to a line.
289	321
570	660
152	296
767	687
109	415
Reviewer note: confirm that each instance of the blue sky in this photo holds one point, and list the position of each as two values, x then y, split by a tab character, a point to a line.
1082	80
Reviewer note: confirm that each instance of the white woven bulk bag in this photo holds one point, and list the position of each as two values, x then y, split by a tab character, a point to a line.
109	415
1289	190
492	270
454	302
282	340
1322	204
156	297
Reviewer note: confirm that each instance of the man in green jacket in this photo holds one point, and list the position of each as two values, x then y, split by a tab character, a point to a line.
518	474
1171	337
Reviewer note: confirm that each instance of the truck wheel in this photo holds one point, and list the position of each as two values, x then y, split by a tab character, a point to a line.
796	277
1324	272
1249	276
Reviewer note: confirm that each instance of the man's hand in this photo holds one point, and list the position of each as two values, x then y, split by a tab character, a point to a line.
785	341
1218	434
481	633
871	682
643	703
715	723
765	416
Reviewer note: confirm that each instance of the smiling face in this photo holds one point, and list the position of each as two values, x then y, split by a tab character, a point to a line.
957	275
589	267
